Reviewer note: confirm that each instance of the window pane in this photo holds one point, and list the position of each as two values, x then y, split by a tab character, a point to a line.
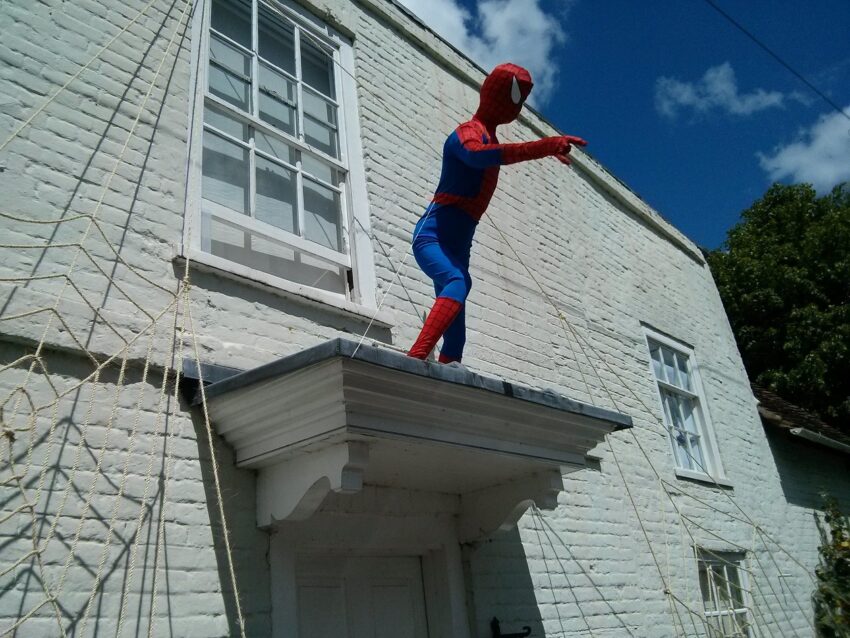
655	353
684	376
317	168
277	113
680	446
299	267
673	409
687	407
235	244
677	434
275	202
319	109
705	588
677	437
718	574
230	88
328	276
276	42
735	587
320	123
225	173
316	67
320	137
669	367
696	458
228	70
321	215
277	84
226	240
275	147
277	100
233	19
228	56
225	123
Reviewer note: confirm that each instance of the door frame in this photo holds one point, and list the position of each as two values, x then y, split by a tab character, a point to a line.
378	529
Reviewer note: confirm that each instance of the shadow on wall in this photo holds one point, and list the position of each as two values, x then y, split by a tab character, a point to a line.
543	586
95	480
806	470
249	546
114	132
95	515
501	586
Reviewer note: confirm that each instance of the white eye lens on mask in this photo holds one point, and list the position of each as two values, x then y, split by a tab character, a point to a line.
516	96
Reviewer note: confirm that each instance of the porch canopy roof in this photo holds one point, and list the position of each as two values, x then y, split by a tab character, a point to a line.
336	416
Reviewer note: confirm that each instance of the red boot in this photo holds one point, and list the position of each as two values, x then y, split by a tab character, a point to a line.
441	316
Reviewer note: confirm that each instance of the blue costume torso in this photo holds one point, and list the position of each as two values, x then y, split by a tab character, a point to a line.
470	171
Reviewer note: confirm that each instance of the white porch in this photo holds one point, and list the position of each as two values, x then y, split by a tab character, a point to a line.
373	467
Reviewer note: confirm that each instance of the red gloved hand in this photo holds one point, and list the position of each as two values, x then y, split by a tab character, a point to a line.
564	146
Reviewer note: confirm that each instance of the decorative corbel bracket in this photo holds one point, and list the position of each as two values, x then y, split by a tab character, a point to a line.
500	507
292	489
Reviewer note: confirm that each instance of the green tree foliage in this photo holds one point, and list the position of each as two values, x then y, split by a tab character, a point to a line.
832	596
784	277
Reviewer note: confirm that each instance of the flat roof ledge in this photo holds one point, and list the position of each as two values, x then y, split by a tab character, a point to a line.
335	417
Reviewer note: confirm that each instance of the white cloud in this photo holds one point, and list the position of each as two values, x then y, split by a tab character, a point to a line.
820	155
518	31
717	89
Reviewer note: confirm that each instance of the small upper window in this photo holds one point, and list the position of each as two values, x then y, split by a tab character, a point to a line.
681	399
275	176
723	584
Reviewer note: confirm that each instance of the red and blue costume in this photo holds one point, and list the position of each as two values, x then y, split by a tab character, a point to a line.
442	238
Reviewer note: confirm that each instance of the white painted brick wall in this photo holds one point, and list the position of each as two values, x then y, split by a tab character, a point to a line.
92	450
594	247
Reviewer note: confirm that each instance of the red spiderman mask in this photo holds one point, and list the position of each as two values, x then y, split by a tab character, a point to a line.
502	95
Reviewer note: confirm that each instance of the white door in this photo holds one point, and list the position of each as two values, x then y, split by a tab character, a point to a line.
360	597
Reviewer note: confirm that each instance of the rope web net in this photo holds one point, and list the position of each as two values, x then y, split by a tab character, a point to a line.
93	432
92	426
757	582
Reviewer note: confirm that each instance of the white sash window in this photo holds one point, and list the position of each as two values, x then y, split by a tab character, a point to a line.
683	407
276	159
723	584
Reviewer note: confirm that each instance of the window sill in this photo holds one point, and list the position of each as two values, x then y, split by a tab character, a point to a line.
700	477
326	300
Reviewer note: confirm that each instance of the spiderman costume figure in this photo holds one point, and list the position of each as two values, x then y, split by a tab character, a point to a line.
443	235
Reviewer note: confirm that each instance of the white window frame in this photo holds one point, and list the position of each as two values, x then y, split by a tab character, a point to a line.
357	244
712	472
726	560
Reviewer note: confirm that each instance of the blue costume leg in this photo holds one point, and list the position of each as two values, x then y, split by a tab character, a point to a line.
451	280
449	275
454	338
441	243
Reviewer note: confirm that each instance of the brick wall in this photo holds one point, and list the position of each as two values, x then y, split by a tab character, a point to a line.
607	261
97	465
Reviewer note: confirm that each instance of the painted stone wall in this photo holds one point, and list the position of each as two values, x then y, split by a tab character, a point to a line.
110	478
103	168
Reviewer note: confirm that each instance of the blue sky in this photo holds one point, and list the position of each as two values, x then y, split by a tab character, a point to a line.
674	100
